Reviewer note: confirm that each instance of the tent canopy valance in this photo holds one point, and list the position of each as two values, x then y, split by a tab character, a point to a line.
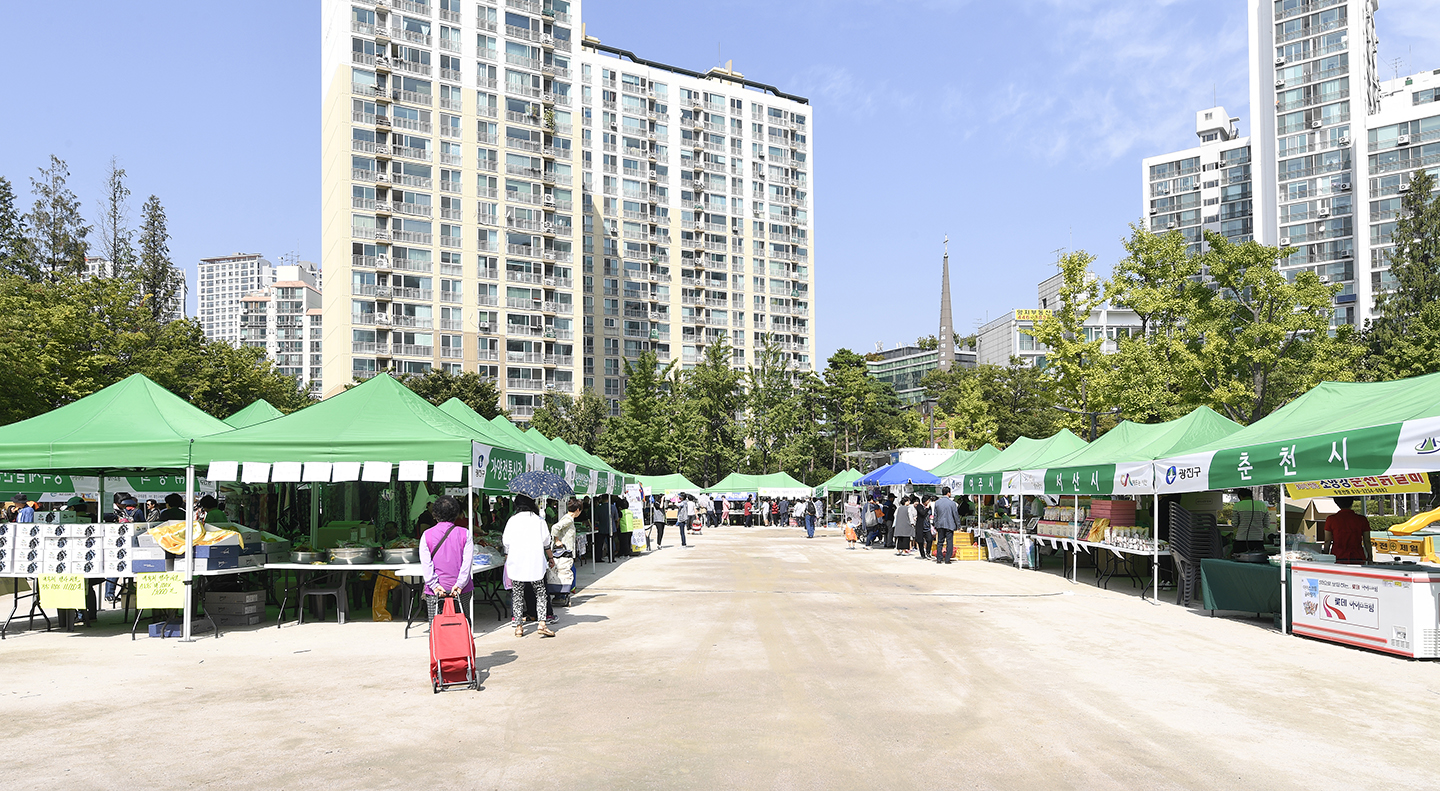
1120	461
665	484
133	424
355	435
1001	474
1336	430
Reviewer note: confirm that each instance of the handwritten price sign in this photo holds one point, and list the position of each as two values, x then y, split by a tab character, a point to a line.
62	591
163	590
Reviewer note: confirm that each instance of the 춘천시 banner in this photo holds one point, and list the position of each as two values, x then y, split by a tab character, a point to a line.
1412	446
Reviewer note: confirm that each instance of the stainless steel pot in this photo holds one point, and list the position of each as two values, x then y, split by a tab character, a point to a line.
352	556
407	555
307	557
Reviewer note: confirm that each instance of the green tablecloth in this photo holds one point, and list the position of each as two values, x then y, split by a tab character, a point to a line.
1242	587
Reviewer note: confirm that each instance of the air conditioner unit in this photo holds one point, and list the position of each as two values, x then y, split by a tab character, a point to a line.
1280	61
1402	140
758	213
549	200
382	318
1196	187
1279	83
612	127
1344	141
1284	241
1316	124
1324	278
1402	188
1322	213
1345	187
547	39
1153	212
382	260
382	177
484	325
1169	226
549	227
549	281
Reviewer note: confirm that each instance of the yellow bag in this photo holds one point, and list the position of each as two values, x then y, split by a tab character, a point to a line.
385	582
171	536
1097	530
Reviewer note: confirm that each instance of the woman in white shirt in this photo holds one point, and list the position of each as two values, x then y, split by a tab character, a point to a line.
560	579
527	557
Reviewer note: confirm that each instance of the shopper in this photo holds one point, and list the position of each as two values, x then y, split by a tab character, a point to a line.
904	526
560	578
657	518
527	558
946	519
24	511
924	539
1347	534
446	558
807	507
174	509
889	509
773	514
152	511
873	516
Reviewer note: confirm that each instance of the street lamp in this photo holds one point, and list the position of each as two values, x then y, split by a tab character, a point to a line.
927	409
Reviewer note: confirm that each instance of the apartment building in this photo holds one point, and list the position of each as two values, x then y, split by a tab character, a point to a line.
284	319
1312	186
220	285
476	154
1205	188
704	176
98	266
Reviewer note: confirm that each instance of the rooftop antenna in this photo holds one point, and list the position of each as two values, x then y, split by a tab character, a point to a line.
1059	251
1395	64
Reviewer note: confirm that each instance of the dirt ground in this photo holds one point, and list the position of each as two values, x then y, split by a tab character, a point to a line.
752	659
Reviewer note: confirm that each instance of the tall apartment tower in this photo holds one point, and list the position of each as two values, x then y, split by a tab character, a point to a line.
701	175
1313	86
1204	188
284	319
473	151
221	283
99	266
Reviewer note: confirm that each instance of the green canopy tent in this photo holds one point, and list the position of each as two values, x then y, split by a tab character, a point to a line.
954	467
503	456
132	425
1001	473
843	481
665	484
258	412
1120	461
781	484
736	483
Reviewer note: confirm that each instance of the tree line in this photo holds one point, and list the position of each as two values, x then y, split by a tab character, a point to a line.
65	335
1224	328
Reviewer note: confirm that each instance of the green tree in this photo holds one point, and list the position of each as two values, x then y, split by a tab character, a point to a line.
1402	339
1258	339
634	441
1153	277
116	238
713	386
768	390
215	376
578	421
157	276
805	449
961	408
439	385
15	252
57	231
1074	361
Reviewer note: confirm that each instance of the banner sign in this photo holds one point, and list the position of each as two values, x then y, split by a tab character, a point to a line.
500	466
1405	483
1032	314
555	466
164	590
581	481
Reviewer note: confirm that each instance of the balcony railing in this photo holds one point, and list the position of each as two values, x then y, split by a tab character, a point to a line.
411	350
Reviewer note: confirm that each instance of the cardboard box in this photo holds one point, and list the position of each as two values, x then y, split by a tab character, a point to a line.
114	567
177	628
234	597
30	530
147	553
52	566
30	568
90	568
238	620
146	565
225	608
252	561
61	517
219	552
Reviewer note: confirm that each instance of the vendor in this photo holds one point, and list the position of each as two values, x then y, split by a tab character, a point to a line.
24	510
210	511
1252	522
1347	534
174	509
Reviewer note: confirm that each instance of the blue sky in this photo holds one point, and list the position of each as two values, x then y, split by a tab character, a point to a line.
1016	128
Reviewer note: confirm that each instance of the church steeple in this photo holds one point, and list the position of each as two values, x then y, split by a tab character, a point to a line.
947	324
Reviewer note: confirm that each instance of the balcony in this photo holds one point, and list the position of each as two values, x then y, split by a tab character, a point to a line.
413	237
525	384
411	350
416	322
411	67
1313	99
553	360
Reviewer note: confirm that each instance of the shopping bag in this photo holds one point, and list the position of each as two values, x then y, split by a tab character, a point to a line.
850	534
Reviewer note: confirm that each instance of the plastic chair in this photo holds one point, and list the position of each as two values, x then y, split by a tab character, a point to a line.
337	590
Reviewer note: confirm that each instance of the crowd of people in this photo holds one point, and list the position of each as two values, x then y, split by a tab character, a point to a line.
704	510
920	525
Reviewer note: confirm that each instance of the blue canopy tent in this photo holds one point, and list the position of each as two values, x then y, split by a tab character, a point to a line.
899	474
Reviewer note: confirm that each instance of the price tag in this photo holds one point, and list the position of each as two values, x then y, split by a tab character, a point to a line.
62	591
162	590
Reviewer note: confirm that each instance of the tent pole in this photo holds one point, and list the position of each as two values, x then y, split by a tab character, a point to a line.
1155	546
1075	534
189	550
470	496
1284	589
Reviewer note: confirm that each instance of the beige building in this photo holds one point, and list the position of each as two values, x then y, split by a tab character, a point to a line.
502	196
284	319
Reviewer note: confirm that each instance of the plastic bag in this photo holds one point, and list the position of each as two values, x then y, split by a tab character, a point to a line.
385	582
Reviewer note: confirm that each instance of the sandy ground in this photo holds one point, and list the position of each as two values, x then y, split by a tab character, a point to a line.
752	659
